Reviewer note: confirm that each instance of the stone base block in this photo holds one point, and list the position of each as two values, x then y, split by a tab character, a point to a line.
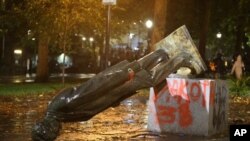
189	106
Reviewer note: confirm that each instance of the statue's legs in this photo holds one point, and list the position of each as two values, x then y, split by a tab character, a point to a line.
97	94
73	103
83	102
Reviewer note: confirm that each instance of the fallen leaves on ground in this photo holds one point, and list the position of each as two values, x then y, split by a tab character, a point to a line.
18	114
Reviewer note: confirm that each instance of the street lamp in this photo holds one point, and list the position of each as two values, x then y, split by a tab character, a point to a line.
218	35
149	25
18	51
83	41
17	54
108	3
91	39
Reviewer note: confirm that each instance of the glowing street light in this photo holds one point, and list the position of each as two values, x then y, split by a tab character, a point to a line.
83	41
84	38
109	2
149	24
218	35
18	51
91	39
17	54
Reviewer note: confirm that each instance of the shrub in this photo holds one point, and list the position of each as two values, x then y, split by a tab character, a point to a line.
240	87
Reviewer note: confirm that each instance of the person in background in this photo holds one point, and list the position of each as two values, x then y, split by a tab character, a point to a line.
219	66
238	67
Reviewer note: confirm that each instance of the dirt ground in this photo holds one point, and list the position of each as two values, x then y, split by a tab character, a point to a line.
128	121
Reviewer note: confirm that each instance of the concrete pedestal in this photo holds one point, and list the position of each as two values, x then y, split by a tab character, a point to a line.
189	106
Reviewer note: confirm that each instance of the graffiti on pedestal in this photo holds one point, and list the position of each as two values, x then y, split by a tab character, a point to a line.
173	101
219	109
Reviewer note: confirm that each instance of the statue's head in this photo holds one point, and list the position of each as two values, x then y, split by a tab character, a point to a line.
46	130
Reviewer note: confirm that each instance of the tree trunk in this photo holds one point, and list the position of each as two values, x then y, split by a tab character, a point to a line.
204	27
241	25
239	35
170	15
159	27
42	72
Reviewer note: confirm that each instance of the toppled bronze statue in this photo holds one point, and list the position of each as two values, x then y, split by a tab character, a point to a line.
119	82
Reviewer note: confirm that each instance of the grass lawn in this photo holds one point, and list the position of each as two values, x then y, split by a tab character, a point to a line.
237	88
31	88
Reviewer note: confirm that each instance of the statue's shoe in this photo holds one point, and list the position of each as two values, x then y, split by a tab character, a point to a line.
179	42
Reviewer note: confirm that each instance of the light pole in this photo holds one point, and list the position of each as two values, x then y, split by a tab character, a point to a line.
149	25
108	4
91	42
83	41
